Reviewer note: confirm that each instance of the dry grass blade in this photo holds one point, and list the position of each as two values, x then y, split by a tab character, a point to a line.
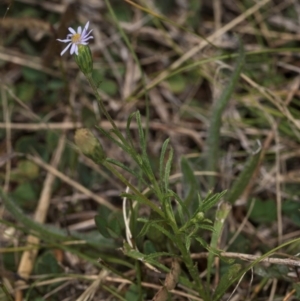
89	293
71	182
249	257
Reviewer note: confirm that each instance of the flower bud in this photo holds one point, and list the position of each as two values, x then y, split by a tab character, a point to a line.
84	59
199	216
89	145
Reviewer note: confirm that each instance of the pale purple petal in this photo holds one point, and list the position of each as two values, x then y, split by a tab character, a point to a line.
73	48
86	35
65	49
86	39
83	33
76	50
72	30
64	41
85	28
79	30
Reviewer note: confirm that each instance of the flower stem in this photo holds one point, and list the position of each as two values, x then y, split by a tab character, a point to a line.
103	109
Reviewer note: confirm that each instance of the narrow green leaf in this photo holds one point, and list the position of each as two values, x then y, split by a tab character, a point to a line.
221	215
128	134
143	220
189	184
142	200
210	200
123	166
202	242
144	230
135	254
168	170
133	197
182	209
226	281
188	243
164	231
101	225
213	137
109	135
141	131
146	226
244	177
146	166
159	254
162	161
168	210
206	227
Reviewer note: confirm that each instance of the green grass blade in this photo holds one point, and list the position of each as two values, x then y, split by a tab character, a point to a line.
213	138
243	179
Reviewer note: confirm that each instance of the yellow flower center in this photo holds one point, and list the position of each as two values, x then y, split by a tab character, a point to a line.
76	38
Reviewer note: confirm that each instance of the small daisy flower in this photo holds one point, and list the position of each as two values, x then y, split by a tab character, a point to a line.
76	38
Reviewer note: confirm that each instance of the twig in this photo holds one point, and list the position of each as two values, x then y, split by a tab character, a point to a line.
248	257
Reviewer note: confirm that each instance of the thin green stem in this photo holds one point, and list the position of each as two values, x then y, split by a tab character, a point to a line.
103	109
